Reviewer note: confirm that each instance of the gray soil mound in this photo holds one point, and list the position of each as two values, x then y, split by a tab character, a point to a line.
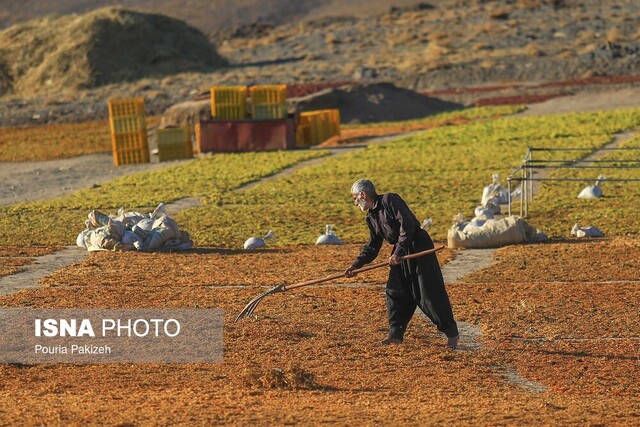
380	102
111	45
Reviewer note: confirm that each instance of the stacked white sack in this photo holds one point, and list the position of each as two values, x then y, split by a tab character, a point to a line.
133	231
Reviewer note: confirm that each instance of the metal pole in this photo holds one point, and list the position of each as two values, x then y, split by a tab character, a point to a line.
523	191
509	195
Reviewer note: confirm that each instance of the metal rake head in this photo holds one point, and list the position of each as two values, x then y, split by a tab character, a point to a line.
247	311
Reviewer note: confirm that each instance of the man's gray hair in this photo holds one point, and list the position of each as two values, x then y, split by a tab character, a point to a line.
363	185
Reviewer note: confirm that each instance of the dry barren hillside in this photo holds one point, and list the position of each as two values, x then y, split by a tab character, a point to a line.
104	46
207	15
437	47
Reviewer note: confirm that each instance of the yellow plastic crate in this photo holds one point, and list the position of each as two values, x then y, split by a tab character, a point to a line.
128	125
196	130
315	127
269	101
174	144
303	131
229	102
334	121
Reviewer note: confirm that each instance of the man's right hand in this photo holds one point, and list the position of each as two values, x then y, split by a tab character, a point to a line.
349	272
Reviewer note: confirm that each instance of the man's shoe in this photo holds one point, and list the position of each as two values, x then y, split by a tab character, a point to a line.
453	341
391	341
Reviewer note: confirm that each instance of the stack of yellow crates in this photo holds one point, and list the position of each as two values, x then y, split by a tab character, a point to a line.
174	144
128	125
229	102
269	101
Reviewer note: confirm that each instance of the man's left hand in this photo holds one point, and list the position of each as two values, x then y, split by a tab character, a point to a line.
395	259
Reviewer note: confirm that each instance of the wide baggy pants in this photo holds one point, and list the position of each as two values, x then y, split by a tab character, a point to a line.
418	282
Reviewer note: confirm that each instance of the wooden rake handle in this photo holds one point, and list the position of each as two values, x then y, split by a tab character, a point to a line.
359	270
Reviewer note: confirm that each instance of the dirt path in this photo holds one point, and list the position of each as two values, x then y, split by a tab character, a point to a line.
587	102
42	266
32	181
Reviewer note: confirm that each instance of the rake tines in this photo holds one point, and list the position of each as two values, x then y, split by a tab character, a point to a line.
249	308
247	311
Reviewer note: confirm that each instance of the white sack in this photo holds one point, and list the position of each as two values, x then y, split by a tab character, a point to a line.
329	237
586	231
495	190
493	233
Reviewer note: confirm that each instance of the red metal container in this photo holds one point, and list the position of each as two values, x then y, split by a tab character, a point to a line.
245	135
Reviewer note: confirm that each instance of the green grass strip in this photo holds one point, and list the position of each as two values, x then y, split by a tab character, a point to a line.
58	221
439	172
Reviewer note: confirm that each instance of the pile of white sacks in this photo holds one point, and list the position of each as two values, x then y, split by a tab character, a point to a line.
128	231
485	231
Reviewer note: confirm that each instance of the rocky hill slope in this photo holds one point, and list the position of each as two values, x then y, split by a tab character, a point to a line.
442	48
209	16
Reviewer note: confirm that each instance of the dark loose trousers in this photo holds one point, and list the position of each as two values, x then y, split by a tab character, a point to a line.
418	282
413	283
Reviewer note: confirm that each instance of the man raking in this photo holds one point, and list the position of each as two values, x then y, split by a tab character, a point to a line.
412	283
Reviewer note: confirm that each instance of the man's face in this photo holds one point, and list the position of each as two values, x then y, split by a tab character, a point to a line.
360	200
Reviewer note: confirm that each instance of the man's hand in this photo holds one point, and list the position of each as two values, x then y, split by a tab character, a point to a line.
349	272
395	259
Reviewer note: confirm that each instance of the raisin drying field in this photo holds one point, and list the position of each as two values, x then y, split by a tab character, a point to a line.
559	343
550	331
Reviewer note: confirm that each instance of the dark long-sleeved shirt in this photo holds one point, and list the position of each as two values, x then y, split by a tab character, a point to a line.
391	220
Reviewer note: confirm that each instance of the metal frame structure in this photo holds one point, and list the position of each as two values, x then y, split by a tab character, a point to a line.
529	164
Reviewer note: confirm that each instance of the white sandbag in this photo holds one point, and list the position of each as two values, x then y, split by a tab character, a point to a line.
181	243
581	232
130	238
101	240
257	242
153	242
473	225
592	191
483	213
81	240
96	219
254	243
493	233
129	219
167	227
159	211
329	237
146	224
492	205
495	190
